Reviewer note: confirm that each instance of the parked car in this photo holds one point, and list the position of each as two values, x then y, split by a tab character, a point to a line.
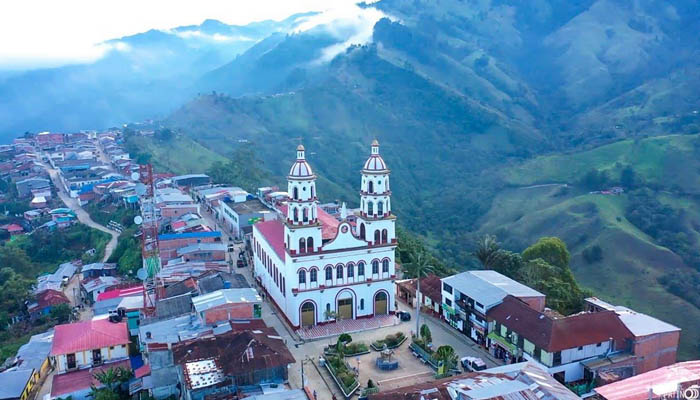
473	364
403	315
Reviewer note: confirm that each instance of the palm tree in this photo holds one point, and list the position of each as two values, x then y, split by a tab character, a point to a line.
447	355
487	251
419	267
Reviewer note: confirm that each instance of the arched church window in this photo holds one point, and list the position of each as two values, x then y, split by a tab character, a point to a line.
310	244
329	273
305	213
362	231
302	276
351	270
312	191
339	272
370	208
361	268
376	237
375	267
313	275
295	193
370	187
302	245
385	235
380	208
385	266
296	215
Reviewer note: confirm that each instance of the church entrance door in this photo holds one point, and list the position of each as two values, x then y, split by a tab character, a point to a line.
345	308
380	304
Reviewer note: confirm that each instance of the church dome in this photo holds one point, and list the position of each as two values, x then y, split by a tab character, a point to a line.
375	163
301	168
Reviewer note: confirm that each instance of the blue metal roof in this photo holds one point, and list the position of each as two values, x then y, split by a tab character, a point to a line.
188	235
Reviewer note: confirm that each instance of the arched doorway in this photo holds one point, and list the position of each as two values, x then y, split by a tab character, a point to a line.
381	303
308	314
362	231
345	305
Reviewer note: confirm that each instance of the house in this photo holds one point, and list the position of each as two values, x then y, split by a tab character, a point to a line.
32	215
14	229
318	269
56	280
88	344
524	380
170	243
227	363
467	297
203	252
38	202
191	180
45	301
663	383
654	342
561	345
34	355
96	270
16	384
77	385
25	186
430	288
238	215
92	288
228	304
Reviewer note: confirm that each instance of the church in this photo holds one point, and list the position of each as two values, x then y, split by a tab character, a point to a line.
318	269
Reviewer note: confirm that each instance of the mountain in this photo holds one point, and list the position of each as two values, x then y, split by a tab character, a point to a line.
484	109
141	76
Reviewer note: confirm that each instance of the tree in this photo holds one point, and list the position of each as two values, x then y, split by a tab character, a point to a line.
446	355
551	249
112	378
628	178
60	313
488	251
425	334
420	267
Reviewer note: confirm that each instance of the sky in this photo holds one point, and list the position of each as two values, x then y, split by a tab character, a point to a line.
41	33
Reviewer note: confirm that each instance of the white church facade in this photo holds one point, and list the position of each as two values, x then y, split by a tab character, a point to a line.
318	269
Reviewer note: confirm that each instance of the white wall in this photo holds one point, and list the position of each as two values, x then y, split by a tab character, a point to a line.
83	359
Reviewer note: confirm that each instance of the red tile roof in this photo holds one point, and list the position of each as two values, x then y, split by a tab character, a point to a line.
72	382
557	334
665	379
142	371
49	298
88	335
122	292
329	225
273	232
14	228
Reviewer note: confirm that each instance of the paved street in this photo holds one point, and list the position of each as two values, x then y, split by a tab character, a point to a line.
82	215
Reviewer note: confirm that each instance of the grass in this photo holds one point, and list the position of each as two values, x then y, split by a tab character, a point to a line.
180	155
632	262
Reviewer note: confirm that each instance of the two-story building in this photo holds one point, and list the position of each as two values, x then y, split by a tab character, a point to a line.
238	217
562	345
467	297
88	344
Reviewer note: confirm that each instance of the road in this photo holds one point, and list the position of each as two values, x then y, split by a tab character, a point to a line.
82	215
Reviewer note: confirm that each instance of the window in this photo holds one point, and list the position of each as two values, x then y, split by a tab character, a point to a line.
284	286
306	214
448	302
328	307
329	273
295	193
310	244
339	272
557	358
360	268
385	266
302	245
377	237
362	231
362	304
370	187
351	270
314	275
599	344
479	305
370	208
302	276
446	288
380	208
580	348
375	267
296	215
385	236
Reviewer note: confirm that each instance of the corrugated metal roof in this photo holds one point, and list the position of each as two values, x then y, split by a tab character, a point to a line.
489	287
225	296
88	335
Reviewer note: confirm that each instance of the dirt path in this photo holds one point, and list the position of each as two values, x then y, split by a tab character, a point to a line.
82	215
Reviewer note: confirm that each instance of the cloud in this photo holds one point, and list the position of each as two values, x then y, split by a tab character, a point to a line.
348	22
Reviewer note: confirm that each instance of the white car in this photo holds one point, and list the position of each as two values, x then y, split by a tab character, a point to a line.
473	364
